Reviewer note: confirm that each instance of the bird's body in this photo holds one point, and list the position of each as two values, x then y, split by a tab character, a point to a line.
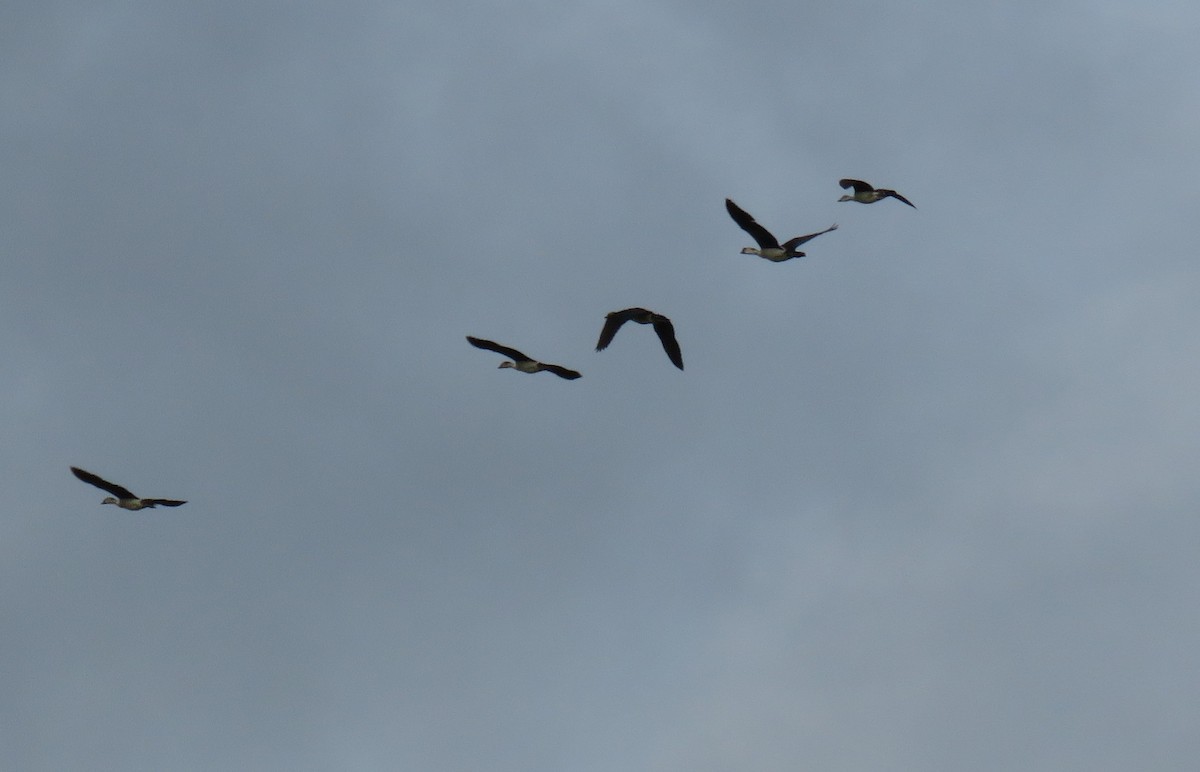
524	365
121	496
520	362
769	247
662	327
865	194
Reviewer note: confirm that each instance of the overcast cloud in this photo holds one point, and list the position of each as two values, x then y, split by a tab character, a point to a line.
925	500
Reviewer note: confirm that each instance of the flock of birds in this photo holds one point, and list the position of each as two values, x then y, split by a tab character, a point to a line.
768	248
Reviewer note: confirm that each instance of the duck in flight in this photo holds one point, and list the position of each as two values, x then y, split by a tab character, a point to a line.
768	245
522	362
121	496
662	326
865	194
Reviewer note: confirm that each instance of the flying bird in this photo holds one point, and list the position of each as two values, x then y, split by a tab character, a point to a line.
662	326
522	362
865	194
768	245
121	496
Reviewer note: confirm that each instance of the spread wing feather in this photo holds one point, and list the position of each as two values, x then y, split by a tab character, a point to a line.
666	334
102	484
488	345
746	222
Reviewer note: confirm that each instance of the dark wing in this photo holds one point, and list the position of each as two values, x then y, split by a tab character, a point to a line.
162	502
894	194
561	372
612	323
666	334
793	243
102	484
858	185
488	345
747	223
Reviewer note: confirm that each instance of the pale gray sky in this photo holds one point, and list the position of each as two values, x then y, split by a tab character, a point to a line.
925	500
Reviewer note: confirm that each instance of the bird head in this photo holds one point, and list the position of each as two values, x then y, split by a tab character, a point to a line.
506	364
109	500
846	198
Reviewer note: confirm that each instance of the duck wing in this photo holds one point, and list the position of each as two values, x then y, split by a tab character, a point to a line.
793	243
488	345
666	334
896	195
562	372
102	484
747	223
613	322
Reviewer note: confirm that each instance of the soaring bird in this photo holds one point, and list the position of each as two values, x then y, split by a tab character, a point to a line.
522	362
662	326
865	194
123	498
768	245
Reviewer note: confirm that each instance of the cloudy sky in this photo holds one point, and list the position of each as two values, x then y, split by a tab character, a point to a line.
924	500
